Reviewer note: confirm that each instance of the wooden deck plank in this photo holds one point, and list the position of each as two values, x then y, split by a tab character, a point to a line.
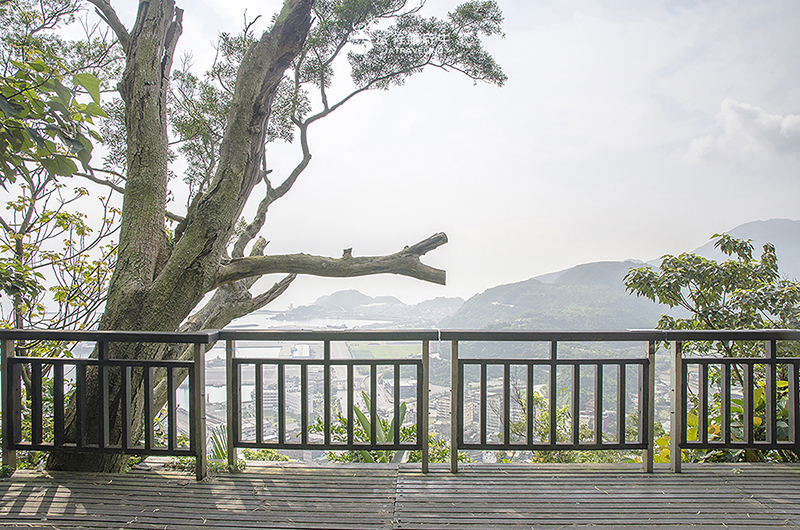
332	497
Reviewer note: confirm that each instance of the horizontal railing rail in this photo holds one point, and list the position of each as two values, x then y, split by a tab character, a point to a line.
757	406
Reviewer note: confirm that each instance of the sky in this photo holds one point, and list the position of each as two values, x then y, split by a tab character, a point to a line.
627	129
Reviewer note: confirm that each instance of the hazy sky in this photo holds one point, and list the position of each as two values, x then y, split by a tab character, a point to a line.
627	129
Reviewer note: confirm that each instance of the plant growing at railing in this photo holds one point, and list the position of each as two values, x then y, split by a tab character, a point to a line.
438	449
737	426
541	431
217	457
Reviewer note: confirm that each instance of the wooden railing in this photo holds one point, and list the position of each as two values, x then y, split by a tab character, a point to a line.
100	368
764	417
327	364
526	439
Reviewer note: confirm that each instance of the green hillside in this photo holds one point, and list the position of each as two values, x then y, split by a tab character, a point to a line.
587	297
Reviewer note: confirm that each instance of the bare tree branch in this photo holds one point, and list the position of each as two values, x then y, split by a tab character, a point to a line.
107	13
405	263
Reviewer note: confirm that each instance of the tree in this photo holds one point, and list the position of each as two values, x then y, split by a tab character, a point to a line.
161	277
738	293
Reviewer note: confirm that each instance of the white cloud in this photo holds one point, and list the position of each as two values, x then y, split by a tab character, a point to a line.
746	130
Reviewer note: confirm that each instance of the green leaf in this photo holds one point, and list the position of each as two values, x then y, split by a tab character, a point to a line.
398	457
362	419
10	108
59	165
90	83
93	109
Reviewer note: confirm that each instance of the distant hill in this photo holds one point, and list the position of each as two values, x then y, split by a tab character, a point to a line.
592	296
352	304
587	297
783	233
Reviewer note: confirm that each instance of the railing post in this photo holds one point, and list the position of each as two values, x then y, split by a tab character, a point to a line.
423	407
677	419
200	411
454	407
8	398
650	411
231	408
770	397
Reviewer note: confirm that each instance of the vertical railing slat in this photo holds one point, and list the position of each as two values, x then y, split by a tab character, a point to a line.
8	408
598	404
747	392
80	402
200	464
552	393
172	413
373	404
529	412
576	404
103	397
506	423
424	408
484	419
396	402
58	404
350	405
621	395
281	404
456	406
259	397
649	415
702	397
36	402
725	403
125	405
233	432
793	403
677	427
326	418
304	403
148	408
770	395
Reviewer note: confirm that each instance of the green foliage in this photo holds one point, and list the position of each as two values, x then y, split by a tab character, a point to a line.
216	458
266	455
438	449
739	293
385	42
49	100
42	124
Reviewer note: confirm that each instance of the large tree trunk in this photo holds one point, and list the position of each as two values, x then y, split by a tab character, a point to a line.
153	289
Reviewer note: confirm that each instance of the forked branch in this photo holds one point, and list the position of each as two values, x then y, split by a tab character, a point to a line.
405	263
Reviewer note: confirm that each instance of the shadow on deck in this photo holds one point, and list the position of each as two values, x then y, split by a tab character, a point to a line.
384	497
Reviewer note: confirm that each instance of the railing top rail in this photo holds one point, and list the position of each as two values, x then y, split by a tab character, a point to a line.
631	335
210	336
548	336
331	335
732	334
200	337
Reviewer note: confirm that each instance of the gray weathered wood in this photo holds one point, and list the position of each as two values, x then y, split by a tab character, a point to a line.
366	496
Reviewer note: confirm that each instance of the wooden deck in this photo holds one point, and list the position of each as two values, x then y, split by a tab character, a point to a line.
401	497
